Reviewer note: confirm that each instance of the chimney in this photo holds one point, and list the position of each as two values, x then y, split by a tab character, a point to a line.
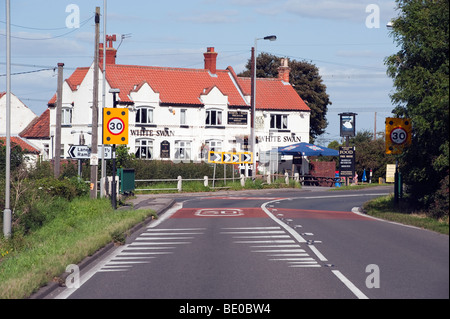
283	71
110	51
210	60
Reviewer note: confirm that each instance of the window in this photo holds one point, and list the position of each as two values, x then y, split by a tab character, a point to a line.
278	121
144	115
213	117
214	146
210	146
182	150
66	116
183	117
144	149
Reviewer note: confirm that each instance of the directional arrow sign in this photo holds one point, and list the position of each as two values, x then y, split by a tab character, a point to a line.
246	158
215	157
84	152
226	158
80	152
235	159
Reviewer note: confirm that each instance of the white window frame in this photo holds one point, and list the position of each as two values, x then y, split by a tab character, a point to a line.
146	145
283	121
66	116
183	150
218	116
183	118
149	118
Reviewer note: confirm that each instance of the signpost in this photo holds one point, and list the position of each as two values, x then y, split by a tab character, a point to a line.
398	135
230	157
84	152
115	126
347	161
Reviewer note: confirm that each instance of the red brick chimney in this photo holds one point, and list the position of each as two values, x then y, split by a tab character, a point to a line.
283	71
210	60
110	51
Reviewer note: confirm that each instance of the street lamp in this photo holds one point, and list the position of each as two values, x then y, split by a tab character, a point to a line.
253	100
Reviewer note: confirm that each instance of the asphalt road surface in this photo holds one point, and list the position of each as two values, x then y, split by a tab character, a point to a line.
273	245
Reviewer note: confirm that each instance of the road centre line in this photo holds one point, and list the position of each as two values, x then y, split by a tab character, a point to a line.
265	241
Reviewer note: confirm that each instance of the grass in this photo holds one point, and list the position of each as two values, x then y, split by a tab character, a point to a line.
84	226
384	208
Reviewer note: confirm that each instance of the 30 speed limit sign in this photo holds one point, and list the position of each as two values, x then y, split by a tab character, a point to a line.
115	126
399	135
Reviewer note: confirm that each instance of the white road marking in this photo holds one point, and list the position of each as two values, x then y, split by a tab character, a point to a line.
358	293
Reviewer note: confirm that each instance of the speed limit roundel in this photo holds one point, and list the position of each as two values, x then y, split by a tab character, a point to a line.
399	135
116	126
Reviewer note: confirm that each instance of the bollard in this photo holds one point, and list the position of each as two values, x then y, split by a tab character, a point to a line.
286	178
205	181
242	180
180	182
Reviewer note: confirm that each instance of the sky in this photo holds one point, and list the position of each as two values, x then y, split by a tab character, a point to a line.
348	41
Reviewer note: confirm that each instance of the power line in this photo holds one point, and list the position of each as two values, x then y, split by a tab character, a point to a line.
28	72
55	37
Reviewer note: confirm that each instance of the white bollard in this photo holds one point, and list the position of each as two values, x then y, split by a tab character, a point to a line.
205	181
180	182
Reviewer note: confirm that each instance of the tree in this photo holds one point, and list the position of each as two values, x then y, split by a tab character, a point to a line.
421	77
305	79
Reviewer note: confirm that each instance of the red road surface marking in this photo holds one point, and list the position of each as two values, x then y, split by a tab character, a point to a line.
317	214
252	212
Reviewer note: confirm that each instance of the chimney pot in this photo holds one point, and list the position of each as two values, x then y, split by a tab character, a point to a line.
284	70
211	60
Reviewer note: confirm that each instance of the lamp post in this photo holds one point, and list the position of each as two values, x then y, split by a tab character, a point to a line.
253	101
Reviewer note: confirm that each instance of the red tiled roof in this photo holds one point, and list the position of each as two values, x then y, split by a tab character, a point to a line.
273	94
15	140
73	81
39	127
175	85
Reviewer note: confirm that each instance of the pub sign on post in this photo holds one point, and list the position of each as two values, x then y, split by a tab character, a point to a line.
346	161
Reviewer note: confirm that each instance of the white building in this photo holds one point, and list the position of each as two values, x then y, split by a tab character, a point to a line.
180	114
21	115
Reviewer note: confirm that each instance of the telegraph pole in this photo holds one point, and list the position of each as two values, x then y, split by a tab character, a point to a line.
57	159
7	211
94	146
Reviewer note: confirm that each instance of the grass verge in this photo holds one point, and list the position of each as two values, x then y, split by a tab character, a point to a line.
79	230
384	208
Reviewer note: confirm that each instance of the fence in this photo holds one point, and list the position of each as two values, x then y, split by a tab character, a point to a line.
206	180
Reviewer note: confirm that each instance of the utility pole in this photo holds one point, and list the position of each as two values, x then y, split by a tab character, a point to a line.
7	212
94	146
57	159
103	171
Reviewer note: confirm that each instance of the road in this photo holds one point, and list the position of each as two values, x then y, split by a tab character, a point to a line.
273	245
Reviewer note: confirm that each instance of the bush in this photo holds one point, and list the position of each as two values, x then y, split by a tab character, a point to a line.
67	188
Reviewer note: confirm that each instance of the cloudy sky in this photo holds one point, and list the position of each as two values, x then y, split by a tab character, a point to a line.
347	40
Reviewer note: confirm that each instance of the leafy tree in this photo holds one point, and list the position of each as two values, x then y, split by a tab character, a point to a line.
306	81
420	70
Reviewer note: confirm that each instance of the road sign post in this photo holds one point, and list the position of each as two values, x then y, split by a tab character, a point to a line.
398	135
